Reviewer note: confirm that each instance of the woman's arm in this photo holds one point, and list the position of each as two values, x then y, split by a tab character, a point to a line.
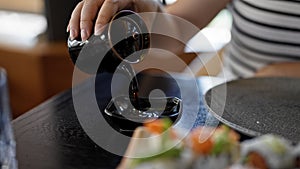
287	69
198	12
193	15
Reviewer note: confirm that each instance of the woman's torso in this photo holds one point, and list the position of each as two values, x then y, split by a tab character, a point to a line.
263	32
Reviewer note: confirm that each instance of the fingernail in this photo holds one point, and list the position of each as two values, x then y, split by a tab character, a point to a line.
98	30
72	34
84	35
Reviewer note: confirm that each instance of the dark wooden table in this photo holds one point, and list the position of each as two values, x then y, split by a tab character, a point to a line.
51	137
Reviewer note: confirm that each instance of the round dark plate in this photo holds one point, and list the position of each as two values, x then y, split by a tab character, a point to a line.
258	106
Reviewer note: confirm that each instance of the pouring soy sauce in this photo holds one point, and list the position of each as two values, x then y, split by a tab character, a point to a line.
123	42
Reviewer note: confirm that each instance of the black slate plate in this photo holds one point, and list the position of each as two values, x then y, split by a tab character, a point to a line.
258	106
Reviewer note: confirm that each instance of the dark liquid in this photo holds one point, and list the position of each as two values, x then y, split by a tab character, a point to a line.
126	118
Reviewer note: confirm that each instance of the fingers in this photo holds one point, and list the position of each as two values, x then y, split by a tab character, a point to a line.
85	13
107	11
88	15
73	26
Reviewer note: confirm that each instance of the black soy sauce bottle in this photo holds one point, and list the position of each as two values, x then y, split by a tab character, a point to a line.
125	38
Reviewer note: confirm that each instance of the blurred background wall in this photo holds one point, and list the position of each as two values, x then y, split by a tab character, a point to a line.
33	50
35	6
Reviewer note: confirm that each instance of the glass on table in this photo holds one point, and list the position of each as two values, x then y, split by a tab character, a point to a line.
7	143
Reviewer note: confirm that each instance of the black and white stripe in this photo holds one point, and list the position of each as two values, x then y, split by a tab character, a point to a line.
263	32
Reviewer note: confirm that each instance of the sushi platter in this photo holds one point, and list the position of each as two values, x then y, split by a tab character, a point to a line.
207	148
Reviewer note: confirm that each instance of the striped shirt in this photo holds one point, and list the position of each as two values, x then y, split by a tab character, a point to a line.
263	32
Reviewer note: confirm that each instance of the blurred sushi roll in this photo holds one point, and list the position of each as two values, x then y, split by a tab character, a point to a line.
162	164
239	166
267	152
217	149
296	155
162	149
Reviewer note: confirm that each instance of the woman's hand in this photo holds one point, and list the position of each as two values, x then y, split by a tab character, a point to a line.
91	15
288	69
